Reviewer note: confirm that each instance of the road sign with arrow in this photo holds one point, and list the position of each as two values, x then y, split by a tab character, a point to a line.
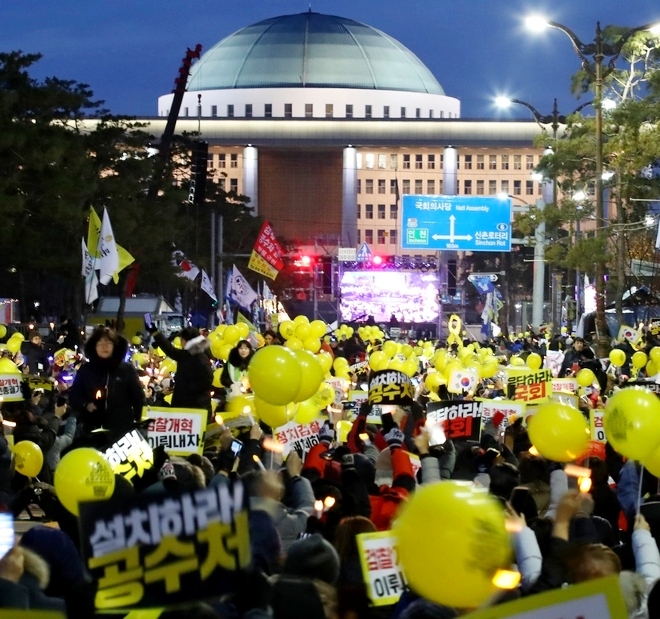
456	223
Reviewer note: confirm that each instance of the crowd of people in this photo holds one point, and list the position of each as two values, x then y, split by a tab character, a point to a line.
305	559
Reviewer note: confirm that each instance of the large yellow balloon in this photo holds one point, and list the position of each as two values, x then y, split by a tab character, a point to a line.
462	574
293	343
652	463
651	368
389	348
311	375
313	344
585	377
136	340
534	361
13	345
632	422
617	357
559	432
3	331
490	368
216	378
83	475
639	360
241	404
287	329
654	354
306	411
301	320
225	349
303	331
271	414
17	335
325	359
516	361
340	363
274	374
433	381
243	330
318	328
231	335
28	458
411	366
324	396
216	348
7	366
167	366
376	359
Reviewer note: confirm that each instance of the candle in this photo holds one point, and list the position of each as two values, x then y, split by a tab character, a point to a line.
259	462
318	509
98	395
506	579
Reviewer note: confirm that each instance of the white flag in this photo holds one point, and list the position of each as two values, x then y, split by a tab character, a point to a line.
207	286
91	287
87	260
108	263
240	291
267	293
657	238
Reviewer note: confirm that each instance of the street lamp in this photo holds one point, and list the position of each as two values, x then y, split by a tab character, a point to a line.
599	50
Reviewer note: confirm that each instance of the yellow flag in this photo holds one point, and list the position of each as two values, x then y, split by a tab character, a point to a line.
93	232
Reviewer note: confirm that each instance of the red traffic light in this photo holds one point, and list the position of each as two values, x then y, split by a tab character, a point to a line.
377	260
305	261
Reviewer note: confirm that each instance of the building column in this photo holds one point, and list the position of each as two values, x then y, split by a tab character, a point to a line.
349	198
449	171
251	177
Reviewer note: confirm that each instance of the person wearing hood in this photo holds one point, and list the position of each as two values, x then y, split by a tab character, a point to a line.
35	356
235	370
194	375
107	392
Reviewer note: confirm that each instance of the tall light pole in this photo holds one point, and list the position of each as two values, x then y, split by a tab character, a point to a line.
599	50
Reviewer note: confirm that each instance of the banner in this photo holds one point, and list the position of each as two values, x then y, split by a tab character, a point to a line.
10	387
594	599
462	381
358	398
529	386
160	550
207	286
390	387
508	408
180	431
269	251
652	386
459	420
596	426
299	437
381	569
567	399
130	456
564	385
554	360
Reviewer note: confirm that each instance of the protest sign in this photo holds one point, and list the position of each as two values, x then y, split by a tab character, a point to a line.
568	399
10	387
162	550
508	408
596	425
650	385
459	420
179	430
564	385
340	385
131	455
390	387
299	437
594	599
38	382
654	327
381	570
529	386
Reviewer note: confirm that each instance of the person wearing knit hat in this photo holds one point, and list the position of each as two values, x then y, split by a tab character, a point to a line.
312	557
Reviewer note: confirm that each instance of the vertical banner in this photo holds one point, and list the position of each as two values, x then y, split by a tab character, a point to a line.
596	425
155	551
381	570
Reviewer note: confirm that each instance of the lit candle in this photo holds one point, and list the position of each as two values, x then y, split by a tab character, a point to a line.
506	579
259	462
318	509
99	395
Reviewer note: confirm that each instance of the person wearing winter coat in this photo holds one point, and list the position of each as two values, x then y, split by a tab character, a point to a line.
107	392
194	375
35	356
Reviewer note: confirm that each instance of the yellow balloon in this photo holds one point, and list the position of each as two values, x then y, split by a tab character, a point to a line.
274	374
176	342
389	348
560	433
411	366
231	335
585	377
343	428
433	381
396	364
516	361
216	348
140	359
168	398
325	359
3	331
311	375
241	404
406	350
17	335
632	422
136	340
83	475
306	411
312	344
220	329
534	361
639	360
651	368
461	514
652	463
340	363
243	330
28	458
293	343
287	329
299	320
324	396
490	368
13	345
654	354
7	366
617	357
167	366
318	328
376	359
216	378
272	415
225	349
303	331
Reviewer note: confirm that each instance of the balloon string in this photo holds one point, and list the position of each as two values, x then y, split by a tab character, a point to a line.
639	492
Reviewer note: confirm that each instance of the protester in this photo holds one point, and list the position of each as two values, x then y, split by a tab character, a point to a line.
35	356
234	373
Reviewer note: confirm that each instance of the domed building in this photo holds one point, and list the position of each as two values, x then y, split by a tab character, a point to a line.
325	122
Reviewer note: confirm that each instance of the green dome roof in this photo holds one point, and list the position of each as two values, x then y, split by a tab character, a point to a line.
310	50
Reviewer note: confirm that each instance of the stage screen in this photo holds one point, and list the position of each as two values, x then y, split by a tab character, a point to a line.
412	296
